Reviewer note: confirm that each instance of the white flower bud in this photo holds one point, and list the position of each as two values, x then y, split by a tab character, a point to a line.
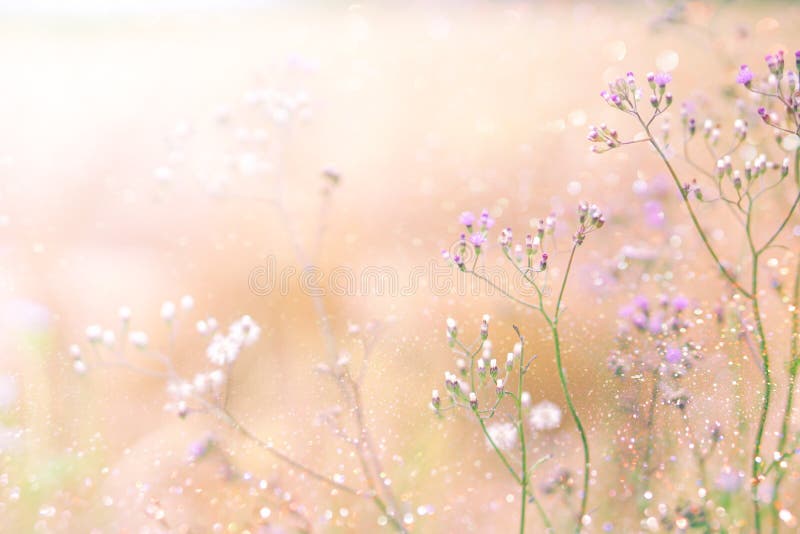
109	338
94	333
187	302
168	310
124	314
138	339
79	366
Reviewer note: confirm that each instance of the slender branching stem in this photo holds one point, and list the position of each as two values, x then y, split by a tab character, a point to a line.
553	323
730	277
794	366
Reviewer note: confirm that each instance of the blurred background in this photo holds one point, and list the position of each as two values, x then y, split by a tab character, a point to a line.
138	164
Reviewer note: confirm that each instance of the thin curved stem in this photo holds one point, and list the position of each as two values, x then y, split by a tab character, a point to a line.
692	214
794	366
574	413
228	418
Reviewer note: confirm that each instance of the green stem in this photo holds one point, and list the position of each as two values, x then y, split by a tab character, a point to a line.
794	366
497	449
521	431
565	388
762	421
751	295
586	466
694	218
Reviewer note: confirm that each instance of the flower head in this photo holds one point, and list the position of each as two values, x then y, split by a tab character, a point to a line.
745	76
504	435
467	218
661	79
477	239
545	416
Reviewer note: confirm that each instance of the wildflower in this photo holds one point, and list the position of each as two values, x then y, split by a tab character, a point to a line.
486	221
493	367
138	339
223	350
168	311
477	239
745	76
217	379
187	302
473	400
245	331
662	79
94	333
505	238
775	64
467	218
545	416
75	351
680	303
499	386
200	383
485	327
673	355
509	361
109	338
504	436
435	399
124	314
452	328
79	366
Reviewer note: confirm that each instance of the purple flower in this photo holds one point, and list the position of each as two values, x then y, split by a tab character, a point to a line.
673	355
467	218
486	221
654	213
477	239
626	312
680	303
639	321
199	448
640	301
655	325
745	76
662	79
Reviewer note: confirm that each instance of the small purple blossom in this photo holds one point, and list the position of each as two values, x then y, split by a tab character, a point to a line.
467	218
680	303
673	355
745	76
661	79
477	239
654	213
486	221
